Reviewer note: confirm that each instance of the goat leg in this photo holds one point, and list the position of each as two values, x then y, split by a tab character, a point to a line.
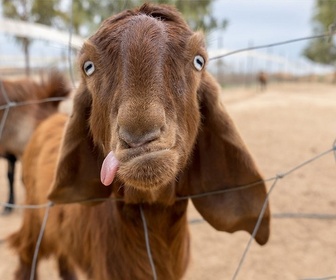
66	271
24	271
11	160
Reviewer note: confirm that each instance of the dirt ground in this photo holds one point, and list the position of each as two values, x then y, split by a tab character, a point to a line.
283	127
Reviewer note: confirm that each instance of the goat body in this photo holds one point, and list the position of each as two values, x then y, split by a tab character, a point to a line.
107	240
262	80
147	131
21	120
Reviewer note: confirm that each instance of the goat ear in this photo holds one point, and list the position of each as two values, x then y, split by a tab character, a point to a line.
77	176
222	161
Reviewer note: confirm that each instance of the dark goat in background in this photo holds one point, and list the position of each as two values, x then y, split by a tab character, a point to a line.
262	80
22	120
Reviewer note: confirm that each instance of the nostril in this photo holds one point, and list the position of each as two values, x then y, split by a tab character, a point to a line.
134	140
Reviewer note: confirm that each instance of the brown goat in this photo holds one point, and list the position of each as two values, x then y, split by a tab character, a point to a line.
262	80
146	96
22	120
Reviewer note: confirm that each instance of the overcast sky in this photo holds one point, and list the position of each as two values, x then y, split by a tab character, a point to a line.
259	22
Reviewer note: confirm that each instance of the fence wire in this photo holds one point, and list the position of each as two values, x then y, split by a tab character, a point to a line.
10	104
274	179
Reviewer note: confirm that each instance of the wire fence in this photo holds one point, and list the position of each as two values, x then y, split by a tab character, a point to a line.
272	180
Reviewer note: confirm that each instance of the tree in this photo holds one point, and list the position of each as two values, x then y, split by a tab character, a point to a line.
198	14
87	15
323	50
39	11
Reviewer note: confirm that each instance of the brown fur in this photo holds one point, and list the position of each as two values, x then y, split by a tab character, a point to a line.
262	80
21	121
163	120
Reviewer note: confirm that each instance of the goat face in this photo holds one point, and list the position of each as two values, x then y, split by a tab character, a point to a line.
144	96
147	105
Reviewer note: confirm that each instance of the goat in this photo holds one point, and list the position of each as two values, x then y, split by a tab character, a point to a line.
21	121
147	131
262	80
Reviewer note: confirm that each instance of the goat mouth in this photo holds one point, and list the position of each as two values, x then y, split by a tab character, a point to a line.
127	155
144	170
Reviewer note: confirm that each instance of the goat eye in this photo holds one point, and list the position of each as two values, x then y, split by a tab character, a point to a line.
88	67
199	62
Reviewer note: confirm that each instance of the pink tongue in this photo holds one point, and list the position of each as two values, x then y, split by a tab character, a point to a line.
109	169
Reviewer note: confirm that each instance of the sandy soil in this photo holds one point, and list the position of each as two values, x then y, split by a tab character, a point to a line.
283	127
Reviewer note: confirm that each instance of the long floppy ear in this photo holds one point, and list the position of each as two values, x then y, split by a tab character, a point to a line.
78	169
222	161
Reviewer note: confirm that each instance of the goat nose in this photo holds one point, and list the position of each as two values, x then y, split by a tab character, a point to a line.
133	139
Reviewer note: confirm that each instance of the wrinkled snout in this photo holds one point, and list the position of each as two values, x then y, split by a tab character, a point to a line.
136	139
140	124
145	145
